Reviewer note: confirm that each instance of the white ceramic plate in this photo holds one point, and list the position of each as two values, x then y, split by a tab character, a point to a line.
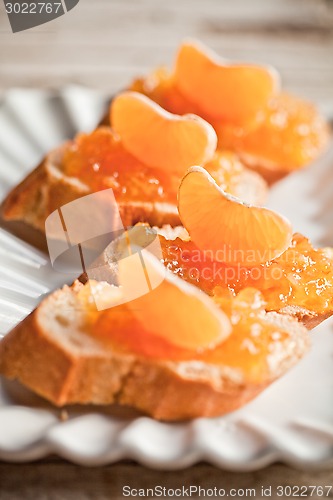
292	421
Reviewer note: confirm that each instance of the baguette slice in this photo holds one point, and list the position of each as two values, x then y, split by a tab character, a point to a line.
47	188
53	353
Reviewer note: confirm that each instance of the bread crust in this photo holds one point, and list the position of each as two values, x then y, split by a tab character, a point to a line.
86	370
156	389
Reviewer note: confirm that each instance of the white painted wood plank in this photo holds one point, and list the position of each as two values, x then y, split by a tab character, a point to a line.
105	43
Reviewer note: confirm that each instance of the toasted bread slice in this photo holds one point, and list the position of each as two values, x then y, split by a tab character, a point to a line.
54	353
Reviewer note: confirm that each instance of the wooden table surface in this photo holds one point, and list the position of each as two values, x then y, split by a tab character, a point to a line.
103	44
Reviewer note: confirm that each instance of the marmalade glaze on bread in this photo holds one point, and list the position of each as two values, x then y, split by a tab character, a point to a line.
50	186
182	257
54	353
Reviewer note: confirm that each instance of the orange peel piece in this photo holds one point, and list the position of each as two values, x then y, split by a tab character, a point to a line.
159	138
235	93
235	232
175	311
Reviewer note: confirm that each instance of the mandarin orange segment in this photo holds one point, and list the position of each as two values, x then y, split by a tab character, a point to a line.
159	138
234	93
174	310
291	135
256	340
231	230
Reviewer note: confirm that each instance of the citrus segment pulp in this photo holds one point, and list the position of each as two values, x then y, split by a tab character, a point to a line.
234	93
159	138
175	311
231	230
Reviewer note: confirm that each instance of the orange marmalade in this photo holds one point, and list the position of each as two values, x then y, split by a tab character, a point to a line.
254	348
291	135
100	160
302	276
